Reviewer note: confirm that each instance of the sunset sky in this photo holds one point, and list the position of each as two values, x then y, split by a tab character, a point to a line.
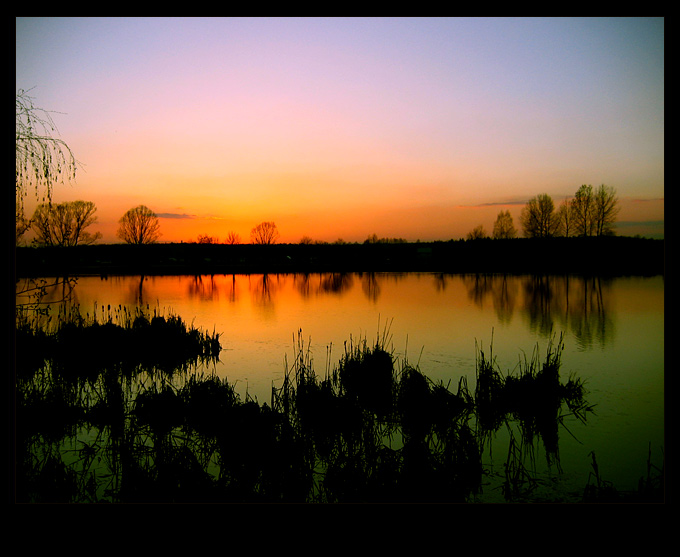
420	128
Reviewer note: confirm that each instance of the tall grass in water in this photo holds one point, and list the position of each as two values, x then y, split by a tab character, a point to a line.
532	397
369	429
77	377
374	431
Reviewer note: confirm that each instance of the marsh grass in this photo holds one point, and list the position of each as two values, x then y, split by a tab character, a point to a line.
532	397
111	408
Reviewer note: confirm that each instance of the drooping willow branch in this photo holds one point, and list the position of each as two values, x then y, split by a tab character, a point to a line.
41	159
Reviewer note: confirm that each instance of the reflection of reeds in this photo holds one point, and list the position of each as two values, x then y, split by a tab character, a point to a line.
533	397
86	345
369	430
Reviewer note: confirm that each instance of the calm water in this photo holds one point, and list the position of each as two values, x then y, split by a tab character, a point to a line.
613	335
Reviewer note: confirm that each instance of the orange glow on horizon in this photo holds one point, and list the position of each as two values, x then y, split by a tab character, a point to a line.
333	128
183	220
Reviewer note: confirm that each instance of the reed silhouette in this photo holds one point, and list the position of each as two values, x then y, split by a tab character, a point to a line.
121	407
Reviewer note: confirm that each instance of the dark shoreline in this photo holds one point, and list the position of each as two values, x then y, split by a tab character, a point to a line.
590	256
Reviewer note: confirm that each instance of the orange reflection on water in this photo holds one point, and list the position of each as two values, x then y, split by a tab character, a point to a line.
613	331
435	320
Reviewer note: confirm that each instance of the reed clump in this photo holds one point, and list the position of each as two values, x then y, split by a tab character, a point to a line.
370	429
85	346
533	395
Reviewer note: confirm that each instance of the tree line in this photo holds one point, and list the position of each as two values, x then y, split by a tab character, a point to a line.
64	224
590	212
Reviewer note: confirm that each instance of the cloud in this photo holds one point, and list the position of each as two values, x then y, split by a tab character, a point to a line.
188	216
494	204
175	216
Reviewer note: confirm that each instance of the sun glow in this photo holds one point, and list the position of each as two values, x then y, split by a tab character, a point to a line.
413	128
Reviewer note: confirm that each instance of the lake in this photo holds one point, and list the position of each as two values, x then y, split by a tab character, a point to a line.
613	333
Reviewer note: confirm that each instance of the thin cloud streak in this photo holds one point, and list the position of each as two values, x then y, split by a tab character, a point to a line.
175	216
492	204
188	216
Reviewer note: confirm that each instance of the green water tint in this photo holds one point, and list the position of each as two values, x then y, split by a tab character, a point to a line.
124	409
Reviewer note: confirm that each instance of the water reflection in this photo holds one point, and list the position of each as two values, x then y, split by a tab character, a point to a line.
582	306
371	286
500	288
204	287
446	314
335	283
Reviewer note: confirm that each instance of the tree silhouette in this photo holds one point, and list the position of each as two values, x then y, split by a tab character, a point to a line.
264	233
139	226
606	210
565	218
503	227
582	209
64	224
233	238
538	218
477	233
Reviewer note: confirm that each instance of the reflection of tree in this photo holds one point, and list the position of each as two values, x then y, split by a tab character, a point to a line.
550	303
579	304
501	289
478	287
263	290
589	311
371	286
543	302
504	294
440	282
335	283
137	294
204	287
35	295
303	284
232	289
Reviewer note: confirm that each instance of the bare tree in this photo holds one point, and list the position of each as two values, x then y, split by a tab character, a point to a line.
606	210
565	218
477	233
64	224
233	238
139	226
264	233
206	239
538	217
504	227
582	211
41	159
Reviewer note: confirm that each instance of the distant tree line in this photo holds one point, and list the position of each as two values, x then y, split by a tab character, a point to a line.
591	212
371	239
265	233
